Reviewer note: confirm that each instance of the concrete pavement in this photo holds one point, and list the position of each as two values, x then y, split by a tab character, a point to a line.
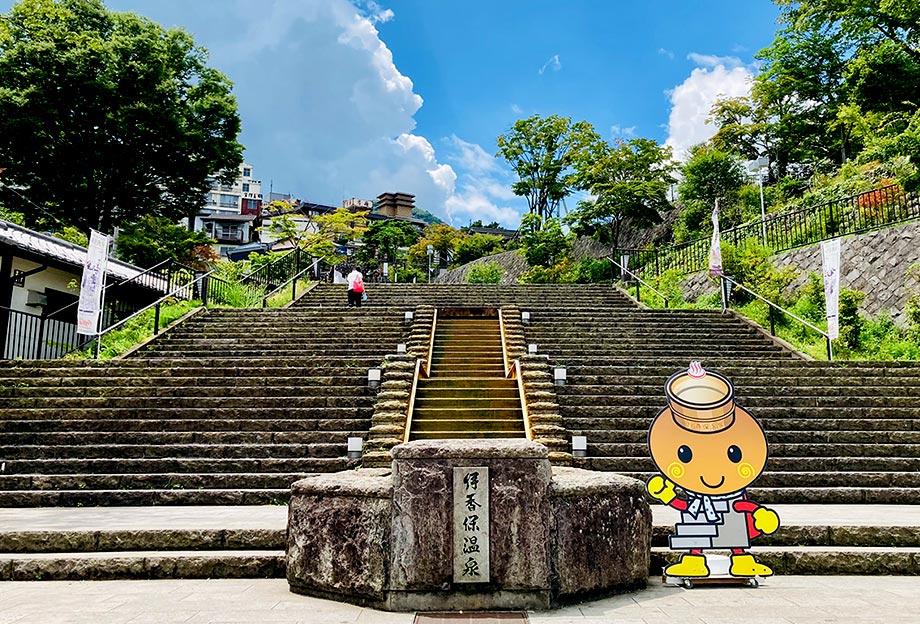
783	600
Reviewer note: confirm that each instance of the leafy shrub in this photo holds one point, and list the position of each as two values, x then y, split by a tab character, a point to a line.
556	274
750	265
591	271
485	273
851	323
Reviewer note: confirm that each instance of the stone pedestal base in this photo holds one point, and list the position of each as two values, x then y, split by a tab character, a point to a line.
384	538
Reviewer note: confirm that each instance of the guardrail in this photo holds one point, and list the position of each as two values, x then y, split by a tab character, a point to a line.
292	281
725	280
638	281
787	230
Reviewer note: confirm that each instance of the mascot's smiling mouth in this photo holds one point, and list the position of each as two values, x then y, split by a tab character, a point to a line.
712	487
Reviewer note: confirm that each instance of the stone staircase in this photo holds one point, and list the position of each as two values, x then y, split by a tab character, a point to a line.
467	394
839	432
229	407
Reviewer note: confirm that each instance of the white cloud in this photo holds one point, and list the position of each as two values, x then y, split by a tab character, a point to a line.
470	156
692	100
710	60
517	110
667	53
484	189
317	85
553	63
618	131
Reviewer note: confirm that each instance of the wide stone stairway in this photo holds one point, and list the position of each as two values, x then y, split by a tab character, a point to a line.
467	394
231	406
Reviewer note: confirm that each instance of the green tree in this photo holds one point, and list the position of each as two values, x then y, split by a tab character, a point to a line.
107	116
543	152
629	182
152	240
386	237
710	175
543	244
476	246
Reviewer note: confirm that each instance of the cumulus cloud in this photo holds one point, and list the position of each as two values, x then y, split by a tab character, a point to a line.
692	100
620	132
324	102
553	63
484	189
667	53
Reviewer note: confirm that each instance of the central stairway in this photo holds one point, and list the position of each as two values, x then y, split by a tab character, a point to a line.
467	394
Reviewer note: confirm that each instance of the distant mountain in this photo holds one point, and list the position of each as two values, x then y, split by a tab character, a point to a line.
425	216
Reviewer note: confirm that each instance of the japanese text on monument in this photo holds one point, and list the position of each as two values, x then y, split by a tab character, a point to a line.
471	525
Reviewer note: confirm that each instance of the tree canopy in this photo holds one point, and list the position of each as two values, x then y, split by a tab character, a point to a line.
544	153
629	182
106	116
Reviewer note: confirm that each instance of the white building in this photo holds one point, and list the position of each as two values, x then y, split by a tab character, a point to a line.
229	210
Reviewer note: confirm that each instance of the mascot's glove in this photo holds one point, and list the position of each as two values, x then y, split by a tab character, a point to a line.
661	489
765	520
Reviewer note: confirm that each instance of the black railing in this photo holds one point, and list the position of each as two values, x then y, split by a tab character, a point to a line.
787	230
34	337
268	277
293	283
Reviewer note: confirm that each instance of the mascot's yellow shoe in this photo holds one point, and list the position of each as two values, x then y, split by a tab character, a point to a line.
689	565
744	565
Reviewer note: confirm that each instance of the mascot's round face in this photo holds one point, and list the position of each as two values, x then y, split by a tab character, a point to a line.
712	463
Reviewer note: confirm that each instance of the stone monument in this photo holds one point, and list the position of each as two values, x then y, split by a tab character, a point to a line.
467	525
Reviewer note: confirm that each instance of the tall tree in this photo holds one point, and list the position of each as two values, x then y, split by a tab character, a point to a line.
629	183
385	237
106	116
543	152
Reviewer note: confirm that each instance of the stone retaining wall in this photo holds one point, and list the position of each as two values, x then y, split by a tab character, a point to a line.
875	263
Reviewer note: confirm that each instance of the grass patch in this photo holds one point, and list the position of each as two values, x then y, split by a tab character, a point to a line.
283	297
136	330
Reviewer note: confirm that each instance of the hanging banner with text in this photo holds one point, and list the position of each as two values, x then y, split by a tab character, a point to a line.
715	248
831	251
92	283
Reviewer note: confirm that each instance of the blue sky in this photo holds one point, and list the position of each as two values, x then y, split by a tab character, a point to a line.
351	98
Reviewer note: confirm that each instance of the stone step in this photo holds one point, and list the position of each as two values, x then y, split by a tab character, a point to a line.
120	540
198	426
156	437
790	464
471	425
821	560
360	398
132	498
327	418
453	434
151	481
775	435
143	565
575	388
780	450
598	428
773	479
762	412
145	451
464	403
190	465
426	391
443	382
213	390
575	401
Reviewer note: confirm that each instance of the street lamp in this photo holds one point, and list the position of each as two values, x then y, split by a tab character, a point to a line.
430	250
760	166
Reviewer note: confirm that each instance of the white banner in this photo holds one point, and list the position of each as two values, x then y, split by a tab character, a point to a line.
831	251
92	283
715	248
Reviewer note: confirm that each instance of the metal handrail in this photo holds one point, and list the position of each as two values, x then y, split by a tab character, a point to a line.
827	338
517	372
501	328
155	304
291	280
434	327
107	286
267	267
638	280
411	406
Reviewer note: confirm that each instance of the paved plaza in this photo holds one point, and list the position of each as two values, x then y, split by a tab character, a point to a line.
784	600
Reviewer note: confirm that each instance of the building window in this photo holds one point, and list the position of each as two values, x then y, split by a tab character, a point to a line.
245	187
247	172
229	201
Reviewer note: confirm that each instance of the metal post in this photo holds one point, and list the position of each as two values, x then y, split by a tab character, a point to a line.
638	297
763	212
722	284
772	320
156	319
294	289
41	337
830	351
204	291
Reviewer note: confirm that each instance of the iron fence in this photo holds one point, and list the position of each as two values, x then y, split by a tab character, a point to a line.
268	277
787	230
